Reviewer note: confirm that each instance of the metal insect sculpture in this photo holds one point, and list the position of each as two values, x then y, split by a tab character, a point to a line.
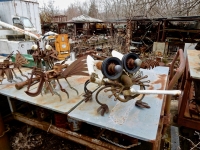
59	71
7	67
48	55
118	74
44	59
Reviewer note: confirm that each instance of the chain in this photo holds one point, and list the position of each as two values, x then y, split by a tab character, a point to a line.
8	129
122	146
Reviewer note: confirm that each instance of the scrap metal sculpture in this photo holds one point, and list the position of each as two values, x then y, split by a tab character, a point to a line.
59	71
119	74
7	67
48	55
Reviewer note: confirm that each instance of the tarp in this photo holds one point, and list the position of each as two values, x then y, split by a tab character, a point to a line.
84	18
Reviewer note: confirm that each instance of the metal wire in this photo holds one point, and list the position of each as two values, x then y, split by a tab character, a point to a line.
8	129
119	145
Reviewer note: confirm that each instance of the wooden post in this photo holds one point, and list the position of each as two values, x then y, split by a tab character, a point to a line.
128	35
163	33
4	143
111	30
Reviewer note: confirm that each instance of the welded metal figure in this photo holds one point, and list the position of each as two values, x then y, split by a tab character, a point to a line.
59	71
118	75
7	67
48	56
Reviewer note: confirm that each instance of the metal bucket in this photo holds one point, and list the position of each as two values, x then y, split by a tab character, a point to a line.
74	125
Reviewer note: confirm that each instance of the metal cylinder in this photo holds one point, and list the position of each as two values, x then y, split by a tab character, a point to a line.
4	143
74	125
72	56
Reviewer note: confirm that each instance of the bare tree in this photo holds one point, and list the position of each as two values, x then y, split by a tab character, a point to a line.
93	11
76	9
48	10
151	8
118	9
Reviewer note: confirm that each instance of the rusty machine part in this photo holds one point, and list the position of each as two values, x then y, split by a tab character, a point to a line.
7	67
149	63
59	71
62	46
121	76
93	53
150	60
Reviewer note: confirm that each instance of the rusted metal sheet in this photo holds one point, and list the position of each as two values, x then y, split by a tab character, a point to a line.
76	137
194	63
126	118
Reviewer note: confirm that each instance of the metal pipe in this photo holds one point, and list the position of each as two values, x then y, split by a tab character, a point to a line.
4	143
166	92
73	136
14	28
173	78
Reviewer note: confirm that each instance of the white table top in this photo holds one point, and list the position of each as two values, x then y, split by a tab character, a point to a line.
126	118
49	101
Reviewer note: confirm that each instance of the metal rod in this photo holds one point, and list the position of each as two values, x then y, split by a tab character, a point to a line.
166	92
11	104
73	136
14	28
173	77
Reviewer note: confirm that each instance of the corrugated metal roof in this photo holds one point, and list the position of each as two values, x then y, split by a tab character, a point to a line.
84	18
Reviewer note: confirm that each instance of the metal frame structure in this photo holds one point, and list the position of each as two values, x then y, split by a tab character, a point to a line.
191	74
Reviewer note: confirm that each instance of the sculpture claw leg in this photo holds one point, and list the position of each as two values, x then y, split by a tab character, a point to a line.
88	96
63	90
56	93
141	104
103	109
16	76
71	86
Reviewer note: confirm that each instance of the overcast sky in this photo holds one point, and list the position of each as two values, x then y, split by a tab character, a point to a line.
62	4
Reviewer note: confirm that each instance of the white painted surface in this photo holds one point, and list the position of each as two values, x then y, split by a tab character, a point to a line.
9	9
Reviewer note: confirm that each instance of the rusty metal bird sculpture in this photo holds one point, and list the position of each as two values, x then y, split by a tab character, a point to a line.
59	71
